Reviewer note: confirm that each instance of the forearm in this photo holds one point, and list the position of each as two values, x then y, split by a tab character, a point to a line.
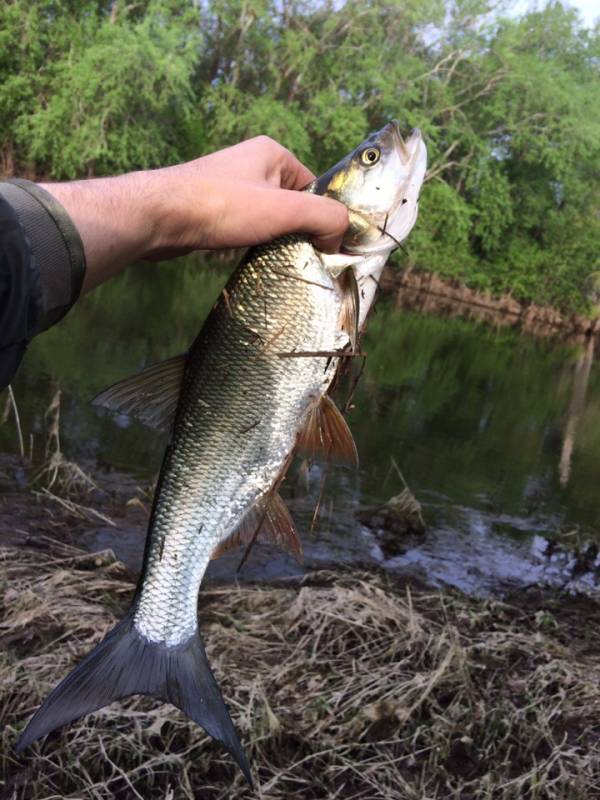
116	219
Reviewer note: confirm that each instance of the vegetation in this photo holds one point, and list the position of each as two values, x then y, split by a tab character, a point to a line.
347	686
510	107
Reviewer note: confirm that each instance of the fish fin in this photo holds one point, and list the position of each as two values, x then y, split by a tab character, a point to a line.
336	263
151	396
269	522
326	434
350	311
126	663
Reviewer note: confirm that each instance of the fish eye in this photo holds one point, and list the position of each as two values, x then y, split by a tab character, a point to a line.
370	156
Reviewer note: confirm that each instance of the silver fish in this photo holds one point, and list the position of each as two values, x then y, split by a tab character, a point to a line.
250	393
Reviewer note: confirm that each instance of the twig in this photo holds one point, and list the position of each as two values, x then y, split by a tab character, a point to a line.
250	544
319	353
119	770
397	468
313	521
302	280
75	508
11	394
354	386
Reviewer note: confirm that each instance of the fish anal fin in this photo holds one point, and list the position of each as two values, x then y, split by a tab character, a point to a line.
350	310
326	435
268	522
151	396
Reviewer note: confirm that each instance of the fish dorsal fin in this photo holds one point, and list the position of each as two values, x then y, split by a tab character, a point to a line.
350	311
326	434
151	396
268	522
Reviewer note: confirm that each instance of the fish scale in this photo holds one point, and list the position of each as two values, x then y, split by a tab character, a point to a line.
241	408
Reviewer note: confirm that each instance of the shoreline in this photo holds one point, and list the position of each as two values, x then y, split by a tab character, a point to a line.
425	291
97	506
113	516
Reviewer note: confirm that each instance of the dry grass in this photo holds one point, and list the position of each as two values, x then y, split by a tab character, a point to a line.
345	687
58	472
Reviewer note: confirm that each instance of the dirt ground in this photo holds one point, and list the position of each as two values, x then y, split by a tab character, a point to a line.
343	685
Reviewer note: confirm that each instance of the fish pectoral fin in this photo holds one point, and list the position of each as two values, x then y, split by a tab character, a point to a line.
336	263
268	522
151	396
326	434
350	311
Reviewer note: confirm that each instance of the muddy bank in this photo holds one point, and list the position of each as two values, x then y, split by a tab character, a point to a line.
347	685
482	552
429	293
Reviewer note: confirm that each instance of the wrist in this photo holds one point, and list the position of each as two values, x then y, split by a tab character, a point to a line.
180	206
114	218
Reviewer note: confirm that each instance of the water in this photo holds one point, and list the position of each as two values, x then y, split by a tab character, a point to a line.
496	433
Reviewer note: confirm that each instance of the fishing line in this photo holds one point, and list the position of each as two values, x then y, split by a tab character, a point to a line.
387	233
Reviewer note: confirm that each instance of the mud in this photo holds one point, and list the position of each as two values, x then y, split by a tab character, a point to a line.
482	553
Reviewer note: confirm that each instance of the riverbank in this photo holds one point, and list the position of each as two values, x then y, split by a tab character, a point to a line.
425	291
345	685
481	551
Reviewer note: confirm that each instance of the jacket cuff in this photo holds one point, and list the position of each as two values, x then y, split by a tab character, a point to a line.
55	245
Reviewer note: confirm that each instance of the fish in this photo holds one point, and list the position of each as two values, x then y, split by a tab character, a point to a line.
253	390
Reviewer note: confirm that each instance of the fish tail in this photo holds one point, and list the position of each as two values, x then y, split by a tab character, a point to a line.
126	663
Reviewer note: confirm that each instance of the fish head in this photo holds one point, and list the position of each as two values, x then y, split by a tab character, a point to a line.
379	183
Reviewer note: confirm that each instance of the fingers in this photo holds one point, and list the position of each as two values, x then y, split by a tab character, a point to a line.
282	168
294	175
264	158
323	219
290	211
241	196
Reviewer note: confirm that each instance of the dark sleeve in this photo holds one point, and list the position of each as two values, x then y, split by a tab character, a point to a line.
42	264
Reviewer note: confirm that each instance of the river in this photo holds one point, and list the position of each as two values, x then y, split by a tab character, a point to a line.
497	434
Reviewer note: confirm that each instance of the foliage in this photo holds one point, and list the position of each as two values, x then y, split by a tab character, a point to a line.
114	94
510	107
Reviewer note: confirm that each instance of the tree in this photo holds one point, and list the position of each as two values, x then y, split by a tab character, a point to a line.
101	90
510	109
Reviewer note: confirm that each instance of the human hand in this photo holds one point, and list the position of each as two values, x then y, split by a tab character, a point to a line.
243	195
240	196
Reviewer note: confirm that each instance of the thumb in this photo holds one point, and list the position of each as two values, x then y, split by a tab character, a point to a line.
324	220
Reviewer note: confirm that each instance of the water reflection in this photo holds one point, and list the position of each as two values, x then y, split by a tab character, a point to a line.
581	379
474	416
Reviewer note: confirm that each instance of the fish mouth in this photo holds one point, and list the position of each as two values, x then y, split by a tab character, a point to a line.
403	214
412	154
408	148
